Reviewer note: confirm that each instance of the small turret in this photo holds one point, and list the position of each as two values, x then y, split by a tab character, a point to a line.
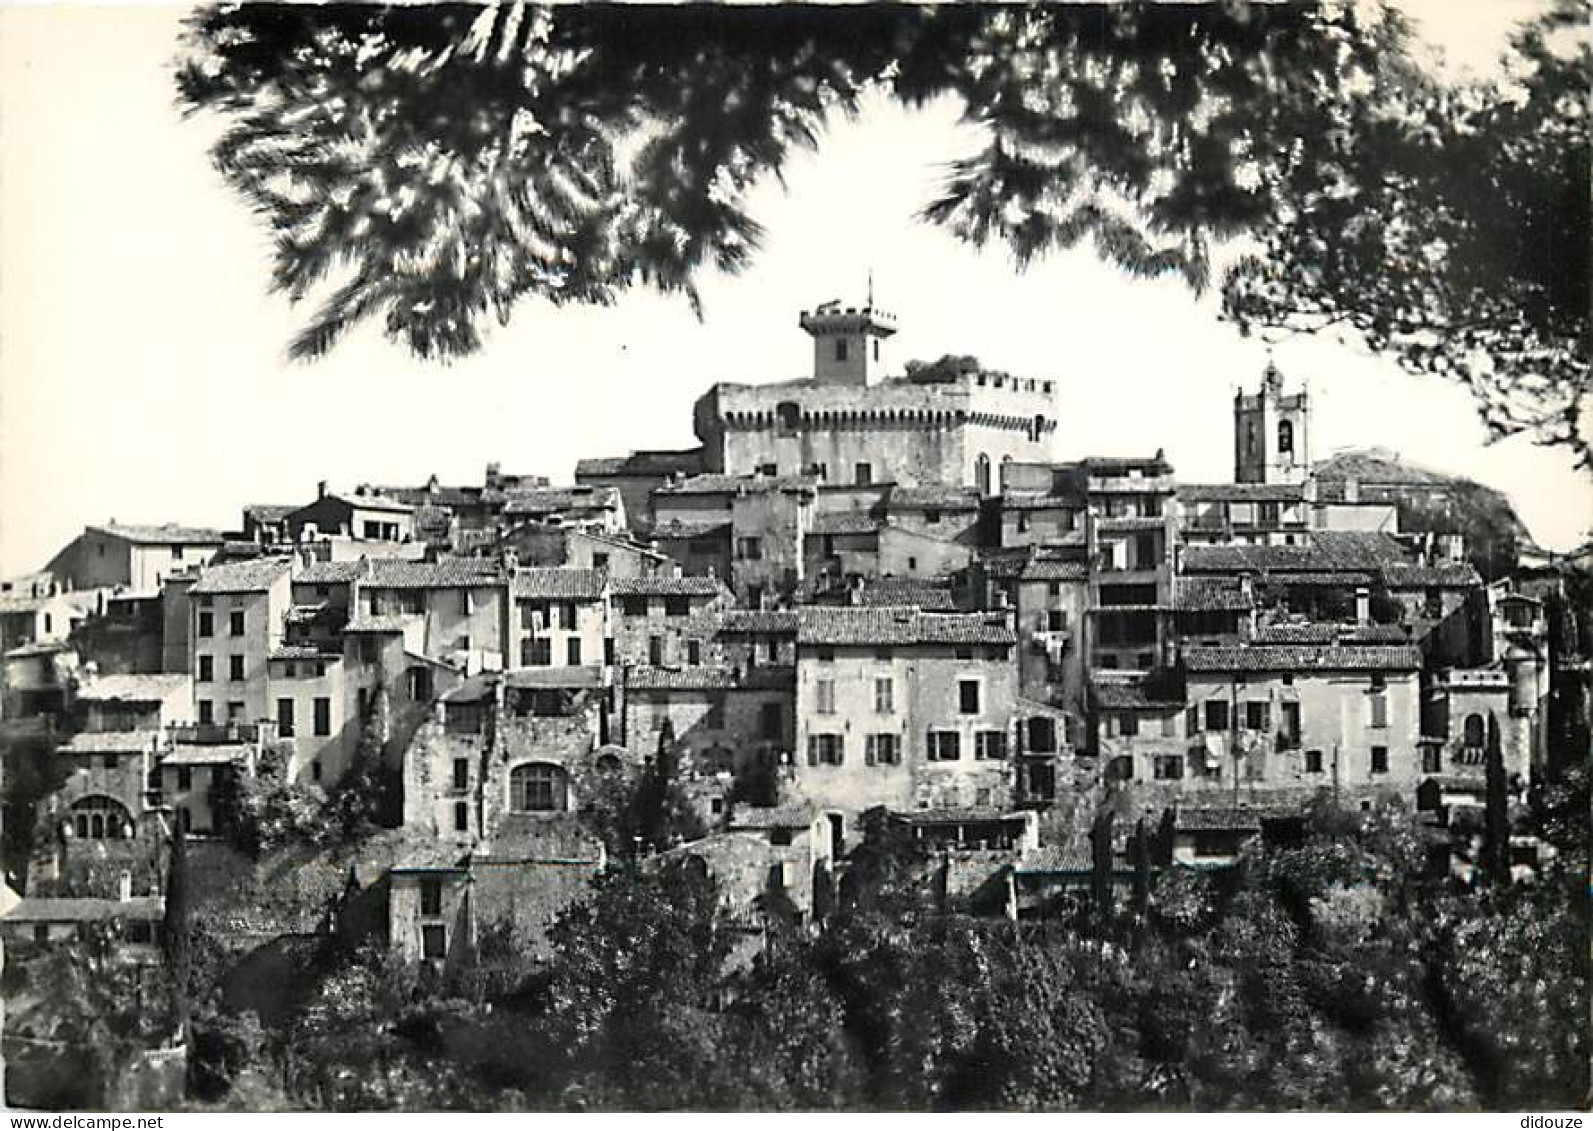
848	343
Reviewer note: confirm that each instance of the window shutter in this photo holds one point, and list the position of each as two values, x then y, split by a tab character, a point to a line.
869	754
813	750
840	749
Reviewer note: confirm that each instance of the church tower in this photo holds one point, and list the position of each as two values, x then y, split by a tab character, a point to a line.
848	344
1271	433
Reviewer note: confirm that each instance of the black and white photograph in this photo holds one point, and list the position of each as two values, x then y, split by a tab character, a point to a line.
795	558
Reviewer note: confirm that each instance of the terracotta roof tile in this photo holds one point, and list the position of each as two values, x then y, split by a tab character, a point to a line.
167	534
241	577
558	583
1303	657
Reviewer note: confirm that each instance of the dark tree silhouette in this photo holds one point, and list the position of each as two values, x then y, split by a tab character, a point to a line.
429	168
1496	815
177	932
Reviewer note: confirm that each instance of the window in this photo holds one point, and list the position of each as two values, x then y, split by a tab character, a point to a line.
964	653
185	777
111	761
1192	720
1313	761
599	561
235	709
207	669
434	941
285	718
235	622
769	469
1378	703
537	787
572	651
982	474
944	746
461	773
1216	714
1379	759
315	769
825	750
968	696
1169	726
655	650
991	744
461	817
1258	715
235	668
677	606
1167	767
1128	724
1474	731
633	606
323	716
863	474
884	696
539	652
1056	620
883	750
207	712
431	897
694	652
824	696
1431	761
1285	437
1290	731
932	517
824	655
770	718
840	349
771	651
289	670
749	549
207	622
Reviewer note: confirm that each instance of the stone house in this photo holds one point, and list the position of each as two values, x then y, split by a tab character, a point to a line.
666	619
462	603
904	709
637	476
238	613
361	514
135	558
560	618
583	506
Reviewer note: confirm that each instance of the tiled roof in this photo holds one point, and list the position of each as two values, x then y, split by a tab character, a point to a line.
541	500
379	623
76	909
268	513
1240	492
845	522
167	534
1318	633
558	583
681	528
821	625
433	495
1217	819
642	677
1132	694
772	817
649	463
1209	595
967	815
1444	574
222	754
667	585
328	573
1321	577
717	484
447	573
368	500
1303	657
1330	551
1049	569
1071	857
148	688
589	676
934	498
771	622
300	652
1132	522
111	742
241	577
925	595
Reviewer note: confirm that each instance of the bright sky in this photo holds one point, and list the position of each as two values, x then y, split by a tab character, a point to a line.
142	374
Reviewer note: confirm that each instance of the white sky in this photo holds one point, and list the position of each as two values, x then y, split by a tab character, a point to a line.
141	361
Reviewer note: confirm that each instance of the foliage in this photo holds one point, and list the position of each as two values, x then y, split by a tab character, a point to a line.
31	772
262	813
432	168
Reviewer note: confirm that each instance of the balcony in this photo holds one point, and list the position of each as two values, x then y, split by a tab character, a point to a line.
213	734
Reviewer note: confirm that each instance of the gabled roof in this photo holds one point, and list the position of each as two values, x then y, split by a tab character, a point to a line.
933	498
1303	657
446	573
365	500
926	595
901	625
167	534
150	688
1329	551
644	677
667	585
845	522
542	500
111	742
328	573
1052	569
558	583
254	576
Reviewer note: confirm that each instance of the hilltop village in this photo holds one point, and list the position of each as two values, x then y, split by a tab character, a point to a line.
872	596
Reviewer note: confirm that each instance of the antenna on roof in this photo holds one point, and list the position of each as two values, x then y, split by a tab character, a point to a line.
871	286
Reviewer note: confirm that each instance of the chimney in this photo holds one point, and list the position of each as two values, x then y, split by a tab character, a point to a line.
124	886
1363	605
320	489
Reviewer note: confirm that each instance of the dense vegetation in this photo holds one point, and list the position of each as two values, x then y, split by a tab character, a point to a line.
1376	985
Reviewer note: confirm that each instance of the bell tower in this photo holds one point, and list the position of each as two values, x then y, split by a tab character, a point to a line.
849	343
1272	433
